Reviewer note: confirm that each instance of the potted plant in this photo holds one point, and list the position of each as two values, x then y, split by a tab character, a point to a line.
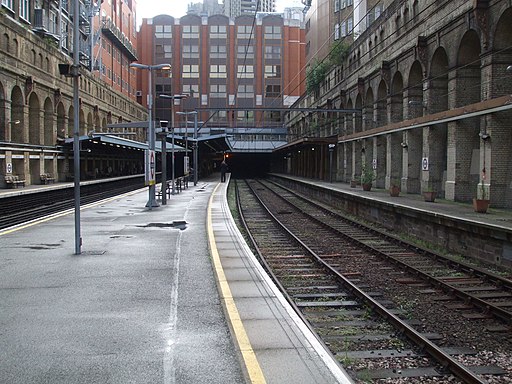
367	177
429	194
394	189
481	201
354	182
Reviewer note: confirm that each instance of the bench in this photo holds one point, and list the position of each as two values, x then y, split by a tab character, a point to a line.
13	181
47	178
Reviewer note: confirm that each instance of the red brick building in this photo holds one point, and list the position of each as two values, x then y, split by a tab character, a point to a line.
235	70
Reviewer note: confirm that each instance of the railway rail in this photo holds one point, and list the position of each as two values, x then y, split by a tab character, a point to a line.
22	208
345	279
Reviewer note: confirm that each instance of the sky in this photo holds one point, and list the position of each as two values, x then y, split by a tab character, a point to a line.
178	8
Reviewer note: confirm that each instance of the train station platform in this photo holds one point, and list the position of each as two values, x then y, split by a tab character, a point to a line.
500	218
454	227
168	295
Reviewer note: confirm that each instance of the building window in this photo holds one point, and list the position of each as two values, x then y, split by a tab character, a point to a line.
272	52
343	29
245	91
218	90
272	71
349	25
218	71
163	51
190	71
244	32
218	51
64	33
272	90
336	5
336	32
24	9
192	90
8	3
245	51
163	31
190	51
272	32
218	32
52	27
245	115
245	72
190	32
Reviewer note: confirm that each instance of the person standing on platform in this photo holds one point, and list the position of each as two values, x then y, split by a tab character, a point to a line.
223	170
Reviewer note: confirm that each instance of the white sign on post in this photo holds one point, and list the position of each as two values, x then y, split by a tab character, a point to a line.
8	168
149	167
186	165
152	172
424	164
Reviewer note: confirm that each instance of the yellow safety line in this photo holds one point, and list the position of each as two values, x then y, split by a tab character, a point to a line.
251	362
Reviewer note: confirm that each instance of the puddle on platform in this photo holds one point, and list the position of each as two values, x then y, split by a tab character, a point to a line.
179	224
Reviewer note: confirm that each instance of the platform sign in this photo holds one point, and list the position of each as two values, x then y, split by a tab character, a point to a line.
186	165
150	167
424	164
374	164
8	168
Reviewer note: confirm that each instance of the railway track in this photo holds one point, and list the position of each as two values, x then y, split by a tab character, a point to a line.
20	209
347	281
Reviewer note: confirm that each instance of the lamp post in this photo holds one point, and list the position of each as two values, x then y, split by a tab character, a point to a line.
164	177
151	131
195	137
331	150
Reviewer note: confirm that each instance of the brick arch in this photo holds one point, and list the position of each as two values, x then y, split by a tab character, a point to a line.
82	124
89	127
358	119
415	91
435	146
438	98
499	125
503	55
6	42
381	104
49	135
34	118
3	120
368	109
61	121
17	121
468	69
397	98
71	121
349	104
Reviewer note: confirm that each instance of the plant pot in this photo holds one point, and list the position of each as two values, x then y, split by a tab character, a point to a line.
430	196
367	186
394	191
353	183
481	206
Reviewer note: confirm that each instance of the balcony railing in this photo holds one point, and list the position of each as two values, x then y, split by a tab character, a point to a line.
118	38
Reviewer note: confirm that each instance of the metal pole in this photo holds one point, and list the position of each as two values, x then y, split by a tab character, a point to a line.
186	142
196	149
76	125
331	150
173	191
164	169
151	140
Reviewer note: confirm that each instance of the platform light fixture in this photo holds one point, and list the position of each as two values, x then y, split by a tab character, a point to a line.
151	130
